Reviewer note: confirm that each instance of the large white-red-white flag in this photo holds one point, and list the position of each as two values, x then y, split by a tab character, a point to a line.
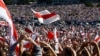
46	17
4	14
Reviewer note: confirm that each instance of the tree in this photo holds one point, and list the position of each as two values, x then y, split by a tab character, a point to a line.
7	1
25	1
48	1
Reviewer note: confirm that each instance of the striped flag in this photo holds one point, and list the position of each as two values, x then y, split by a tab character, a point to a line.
51	35
4	13
29	29
46	17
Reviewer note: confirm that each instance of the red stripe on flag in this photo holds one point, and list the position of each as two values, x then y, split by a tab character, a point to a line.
27	30
38	15
48	15
2	4
15	35
17	50
28	45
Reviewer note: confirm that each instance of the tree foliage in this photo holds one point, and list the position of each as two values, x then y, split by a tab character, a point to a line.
25	1
89	4
7	1
18	1
44	1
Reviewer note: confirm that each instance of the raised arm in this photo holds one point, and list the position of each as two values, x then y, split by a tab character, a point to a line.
49	48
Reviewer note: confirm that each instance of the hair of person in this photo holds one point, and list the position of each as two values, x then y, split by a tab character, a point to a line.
26	53
69	51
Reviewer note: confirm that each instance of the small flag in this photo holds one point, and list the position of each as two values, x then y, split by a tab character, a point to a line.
29	29
51	35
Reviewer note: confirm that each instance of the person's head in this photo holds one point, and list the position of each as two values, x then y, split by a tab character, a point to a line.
37	39
67	52
47	51
3	53
45	48
26	53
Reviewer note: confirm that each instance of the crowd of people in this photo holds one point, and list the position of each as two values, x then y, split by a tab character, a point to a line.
67	12
72	40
